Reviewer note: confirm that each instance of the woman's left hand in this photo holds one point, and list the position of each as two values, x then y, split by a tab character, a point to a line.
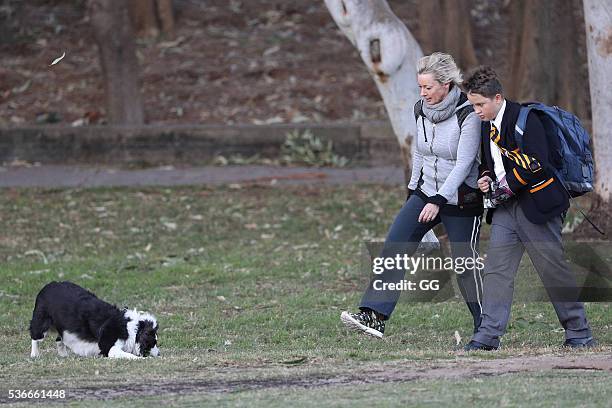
429	213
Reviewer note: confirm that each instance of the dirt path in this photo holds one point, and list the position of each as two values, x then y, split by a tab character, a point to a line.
84	177
392	372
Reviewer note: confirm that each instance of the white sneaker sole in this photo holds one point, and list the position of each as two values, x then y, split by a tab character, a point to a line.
353	324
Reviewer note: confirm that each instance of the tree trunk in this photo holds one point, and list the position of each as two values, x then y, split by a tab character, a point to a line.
142	14
546	54
390	53
114	36
113	33
456	39
152	17
166	17
598	20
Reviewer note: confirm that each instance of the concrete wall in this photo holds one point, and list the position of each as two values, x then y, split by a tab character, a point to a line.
368	143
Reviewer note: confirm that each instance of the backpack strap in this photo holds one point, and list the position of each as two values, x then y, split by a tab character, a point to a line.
463	109
418	109
521	124
418	112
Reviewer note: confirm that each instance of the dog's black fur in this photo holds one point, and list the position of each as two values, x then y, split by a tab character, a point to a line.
66	306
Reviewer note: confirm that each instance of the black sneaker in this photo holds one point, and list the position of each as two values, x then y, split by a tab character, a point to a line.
477	346
586	342
366	322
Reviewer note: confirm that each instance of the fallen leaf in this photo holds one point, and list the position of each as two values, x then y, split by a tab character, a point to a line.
296	361
170	225
271	51
39	272
171	44
23	87
39	253
55	61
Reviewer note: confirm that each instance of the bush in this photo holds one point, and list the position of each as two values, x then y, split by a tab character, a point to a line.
307	149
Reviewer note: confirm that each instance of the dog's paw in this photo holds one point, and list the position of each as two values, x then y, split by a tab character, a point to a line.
116	352
34	353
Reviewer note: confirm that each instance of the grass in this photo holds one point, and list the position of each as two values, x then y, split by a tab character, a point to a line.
248	284
509	390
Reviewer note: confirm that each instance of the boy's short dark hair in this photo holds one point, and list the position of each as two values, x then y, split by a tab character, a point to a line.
483	81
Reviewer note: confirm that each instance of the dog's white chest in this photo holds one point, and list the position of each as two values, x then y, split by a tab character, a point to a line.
78	346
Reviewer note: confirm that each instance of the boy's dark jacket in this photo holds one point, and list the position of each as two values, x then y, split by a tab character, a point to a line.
541	196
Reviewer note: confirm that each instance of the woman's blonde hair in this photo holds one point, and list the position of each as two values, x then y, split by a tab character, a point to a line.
442	66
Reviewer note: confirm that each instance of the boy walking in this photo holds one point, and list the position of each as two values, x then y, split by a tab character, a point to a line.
530	206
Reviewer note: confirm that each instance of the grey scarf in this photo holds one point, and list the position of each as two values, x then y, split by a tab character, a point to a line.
443	109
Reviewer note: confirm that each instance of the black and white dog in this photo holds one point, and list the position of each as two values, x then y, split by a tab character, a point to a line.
89	326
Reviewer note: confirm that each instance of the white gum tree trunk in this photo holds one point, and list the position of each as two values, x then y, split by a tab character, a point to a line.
390	53
598	23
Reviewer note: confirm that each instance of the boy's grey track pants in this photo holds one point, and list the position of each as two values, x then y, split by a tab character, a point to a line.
511	235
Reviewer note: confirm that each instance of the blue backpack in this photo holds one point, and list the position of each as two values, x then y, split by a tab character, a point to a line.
569	154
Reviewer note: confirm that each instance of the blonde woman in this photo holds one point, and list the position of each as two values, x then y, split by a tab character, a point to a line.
443	189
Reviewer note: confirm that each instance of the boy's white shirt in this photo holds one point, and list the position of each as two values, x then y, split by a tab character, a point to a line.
496	155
